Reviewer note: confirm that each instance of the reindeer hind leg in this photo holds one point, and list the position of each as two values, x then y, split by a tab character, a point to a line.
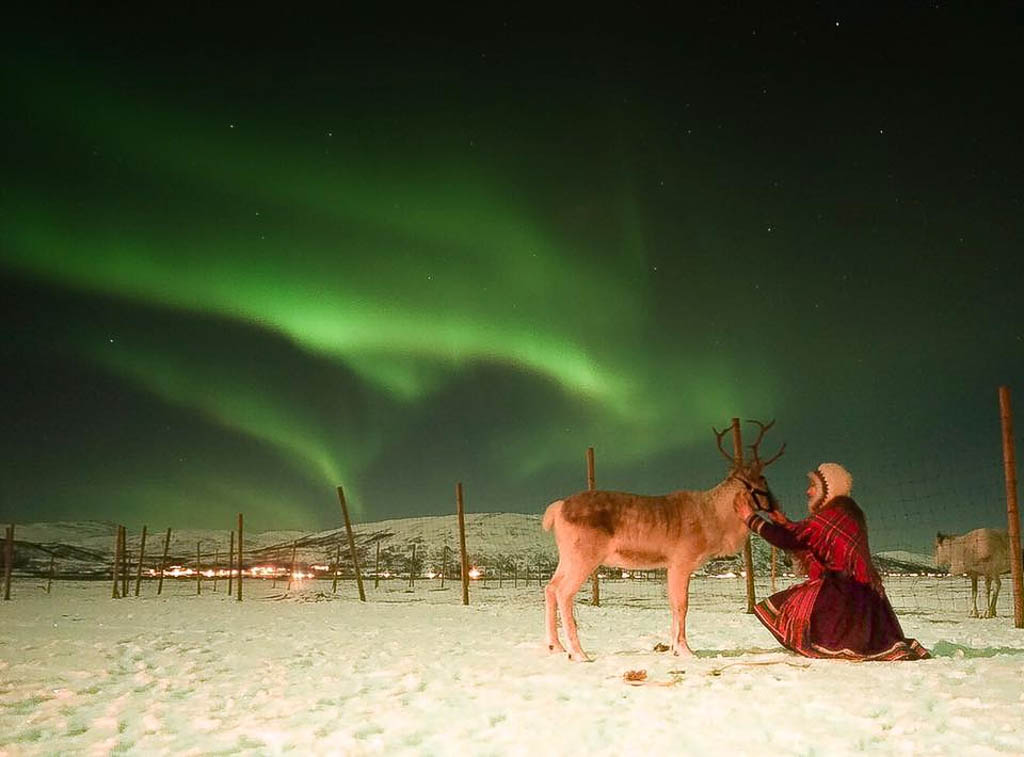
551	610
565	593
974	597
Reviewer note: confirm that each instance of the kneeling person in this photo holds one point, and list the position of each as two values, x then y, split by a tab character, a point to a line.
841	610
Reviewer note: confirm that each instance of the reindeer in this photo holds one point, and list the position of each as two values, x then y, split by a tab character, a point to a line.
981	552
680	531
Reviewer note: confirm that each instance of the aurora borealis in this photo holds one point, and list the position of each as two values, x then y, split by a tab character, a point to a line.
245	261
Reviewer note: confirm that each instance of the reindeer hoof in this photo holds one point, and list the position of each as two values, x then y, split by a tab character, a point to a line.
556	648
581	657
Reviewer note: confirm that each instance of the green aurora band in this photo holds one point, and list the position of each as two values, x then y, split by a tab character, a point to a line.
404	272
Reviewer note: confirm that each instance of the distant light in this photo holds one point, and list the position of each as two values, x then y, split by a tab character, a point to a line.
474	573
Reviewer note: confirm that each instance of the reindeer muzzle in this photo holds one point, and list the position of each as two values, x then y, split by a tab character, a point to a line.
763	498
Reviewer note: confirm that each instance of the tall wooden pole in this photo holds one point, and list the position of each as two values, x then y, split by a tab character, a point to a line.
115	594
240	563
351	544
199	572
460	511
231	563
163	563
142	555
1012	513
748	557
216	562
595	584
8	561
49	581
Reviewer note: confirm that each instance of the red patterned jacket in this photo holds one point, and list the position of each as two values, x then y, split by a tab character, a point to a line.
835	539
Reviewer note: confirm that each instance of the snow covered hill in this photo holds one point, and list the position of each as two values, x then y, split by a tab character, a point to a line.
506	541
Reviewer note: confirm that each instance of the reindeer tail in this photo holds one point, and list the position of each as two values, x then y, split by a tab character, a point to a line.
550	513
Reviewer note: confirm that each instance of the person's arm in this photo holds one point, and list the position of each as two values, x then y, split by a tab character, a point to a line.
781	536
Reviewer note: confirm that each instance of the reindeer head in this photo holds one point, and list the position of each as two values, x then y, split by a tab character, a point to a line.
750	473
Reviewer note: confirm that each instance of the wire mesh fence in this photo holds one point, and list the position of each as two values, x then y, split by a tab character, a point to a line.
953	483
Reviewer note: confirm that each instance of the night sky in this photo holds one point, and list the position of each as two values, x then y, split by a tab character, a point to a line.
247	259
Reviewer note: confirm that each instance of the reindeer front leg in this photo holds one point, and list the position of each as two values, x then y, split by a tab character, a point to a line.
974	597
678	598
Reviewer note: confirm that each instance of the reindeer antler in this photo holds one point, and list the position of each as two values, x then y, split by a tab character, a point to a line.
757	442
719	435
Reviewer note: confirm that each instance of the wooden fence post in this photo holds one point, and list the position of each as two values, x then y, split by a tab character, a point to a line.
231	563
412	569
163	563
49	581
142	555
116	594
199	572
291	572
444	564
240	564
376	567
337	566
125	563
216	562
460	511
748	557
8	561
351	544
1012	513
595	584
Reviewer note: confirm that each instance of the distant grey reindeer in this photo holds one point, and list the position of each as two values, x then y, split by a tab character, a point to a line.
981	552
679	531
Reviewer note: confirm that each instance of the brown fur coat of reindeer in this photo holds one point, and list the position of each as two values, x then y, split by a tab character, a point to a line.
679	531
981	552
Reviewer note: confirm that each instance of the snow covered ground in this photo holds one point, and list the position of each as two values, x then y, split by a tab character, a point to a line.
418	673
